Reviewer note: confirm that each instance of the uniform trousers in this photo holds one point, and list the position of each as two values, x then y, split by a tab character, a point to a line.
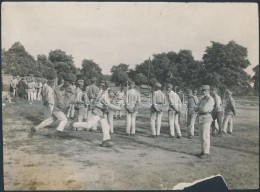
81	113
56	115
39	94
190	123
173	117
130	122
158	117
120	104
34	94
219	117
48	110
30	94
90	114
228	123
110	118
93	121
204	133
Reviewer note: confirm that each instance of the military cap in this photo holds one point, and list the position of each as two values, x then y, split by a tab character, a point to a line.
157	84
169	85
205	87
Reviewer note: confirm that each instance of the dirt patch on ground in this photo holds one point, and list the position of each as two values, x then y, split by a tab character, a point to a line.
76	162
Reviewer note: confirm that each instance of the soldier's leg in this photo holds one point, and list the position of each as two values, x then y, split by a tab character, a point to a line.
86	113
193	119
111	121
206	137
72	111
128	122
171	122
189	124
159	122
81	113
176	124
45	123
153	117
220	121
62	118
87	125
230	123
133	118
105	128
225	122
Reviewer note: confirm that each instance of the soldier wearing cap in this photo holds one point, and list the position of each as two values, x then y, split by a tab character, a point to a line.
158	103
204	109
61	103
175	106
217	112
100	106
91	91
132	101
192	103
82	100
230	112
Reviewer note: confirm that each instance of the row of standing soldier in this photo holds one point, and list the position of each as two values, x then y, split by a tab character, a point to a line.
96	105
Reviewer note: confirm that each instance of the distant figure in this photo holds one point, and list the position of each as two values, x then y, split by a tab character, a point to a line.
30	90
13	86
39	90
217	113
70	93
21	88
82	100
230	112
132	102
204	109
175	106
192	104
158	102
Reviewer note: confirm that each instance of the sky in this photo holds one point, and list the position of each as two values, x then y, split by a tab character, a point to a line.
113	33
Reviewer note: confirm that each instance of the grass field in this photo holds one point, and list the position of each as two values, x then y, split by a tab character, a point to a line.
76	161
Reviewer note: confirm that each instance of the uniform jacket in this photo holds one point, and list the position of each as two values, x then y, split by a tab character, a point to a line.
158	101
132	100
192	104
174	101
218	103
230	108
204	109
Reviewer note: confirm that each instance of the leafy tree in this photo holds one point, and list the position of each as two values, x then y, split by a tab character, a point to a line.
18	61
225	65
140	79
256	79
90	69
62	62
119	74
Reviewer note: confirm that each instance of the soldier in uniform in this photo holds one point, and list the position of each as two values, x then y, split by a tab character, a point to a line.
174	111
158	103
120	95
217	113
192	103
60	106
132	101
100	106
14	83
82	100
91	91
204	109
48	98
230	112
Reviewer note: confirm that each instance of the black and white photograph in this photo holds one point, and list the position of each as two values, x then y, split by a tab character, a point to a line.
130	95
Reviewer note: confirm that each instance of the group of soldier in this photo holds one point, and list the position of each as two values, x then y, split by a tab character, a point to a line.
98	104
30	88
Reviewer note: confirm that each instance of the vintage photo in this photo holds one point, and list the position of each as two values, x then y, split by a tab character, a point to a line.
130	95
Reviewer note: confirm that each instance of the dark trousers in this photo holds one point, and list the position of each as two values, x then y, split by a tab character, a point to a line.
219	117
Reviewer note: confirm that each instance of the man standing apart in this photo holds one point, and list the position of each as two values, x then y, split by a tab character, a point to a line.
175	106
230	112
192	103
158	102
204	109
132	101
217	112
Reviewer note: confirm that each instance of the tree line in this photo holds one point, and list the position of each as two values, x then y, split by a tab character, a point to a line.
222	66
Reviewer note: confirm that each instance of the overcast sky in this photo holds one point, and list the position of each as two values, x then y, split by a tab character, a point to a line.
113	33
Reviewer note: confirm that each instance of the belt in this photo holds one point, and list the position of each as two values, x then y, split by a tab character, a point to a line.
204	113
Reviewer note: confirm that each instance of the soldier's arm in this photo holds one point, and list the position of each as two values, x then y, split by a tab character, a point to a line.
208	107
233	107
